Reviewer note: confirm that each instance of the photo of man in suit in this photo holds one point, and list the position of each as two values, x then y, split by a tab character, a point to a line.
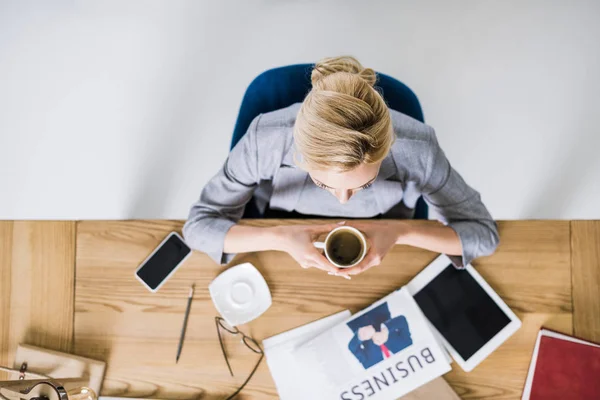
377	336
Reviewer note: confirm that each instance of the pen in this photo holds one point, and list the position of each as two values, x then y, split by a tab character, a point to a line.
185	321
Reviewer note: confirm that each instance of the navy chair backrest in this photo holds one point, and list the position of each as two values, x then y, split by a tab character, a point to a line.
281	87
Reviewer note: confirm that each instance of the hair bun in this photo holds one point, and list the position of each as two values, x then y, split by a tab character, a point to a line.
348	64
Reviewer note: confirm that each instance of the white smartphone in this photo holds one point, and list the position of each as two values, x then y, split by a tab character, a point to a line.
163	262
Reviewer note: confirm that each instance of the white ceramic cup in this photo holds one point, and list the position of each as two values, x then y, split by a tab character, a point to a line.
355	232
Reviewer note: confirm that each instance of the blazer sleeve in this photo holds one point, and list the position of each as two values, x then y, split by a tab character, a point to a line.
458	205
223	199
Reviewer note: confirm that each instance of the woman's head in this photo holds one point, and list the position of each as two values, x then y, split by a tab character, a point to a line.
343	130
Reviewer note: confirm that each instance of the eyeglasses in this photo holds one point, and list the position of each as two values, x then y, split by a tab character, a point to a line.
248	342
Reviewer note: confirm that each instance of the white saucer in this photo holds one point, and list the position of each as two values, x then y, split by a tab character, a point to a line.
240	294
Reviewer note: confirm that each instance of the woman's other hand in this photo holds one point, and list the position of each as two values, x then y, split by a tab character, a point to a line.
381	237
297	241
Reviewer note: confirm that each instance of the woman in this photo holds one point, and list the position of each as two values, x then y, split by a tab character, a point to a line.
341	153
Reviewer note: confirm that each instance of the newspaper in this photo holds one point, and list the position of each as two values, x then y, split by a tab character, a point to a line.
380	353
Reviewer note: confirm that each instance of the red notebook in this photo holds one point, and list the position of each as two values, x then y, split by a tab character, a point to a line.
563	367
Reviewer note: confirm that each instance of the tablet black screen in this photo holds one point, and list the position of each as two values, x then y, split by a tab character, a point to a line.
461	310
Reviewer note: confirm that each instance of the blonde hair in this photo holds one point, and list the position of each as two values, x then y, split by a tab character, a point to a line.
343	121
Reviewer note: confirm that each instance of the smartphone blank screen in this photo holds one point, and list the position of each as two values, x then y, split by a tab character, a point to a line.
163	261
461	310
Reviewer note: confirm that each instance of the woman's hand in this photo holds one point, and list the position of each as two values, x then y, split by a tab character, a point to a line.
297	241
381	237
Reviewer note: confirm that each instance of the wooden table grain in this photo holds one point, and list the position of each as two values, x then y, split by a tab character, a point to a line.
136	332
585	246
37	279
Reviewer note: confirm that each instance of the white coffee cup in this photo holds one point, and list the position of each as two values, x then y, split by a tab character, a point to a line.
357	243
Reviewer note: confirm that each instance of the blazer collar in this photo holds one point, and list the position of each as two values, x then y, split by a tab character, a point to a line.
388	167
288	157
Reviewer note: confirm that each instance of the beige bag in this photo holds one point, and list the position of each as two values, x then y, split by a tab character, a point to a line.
36	363
437	389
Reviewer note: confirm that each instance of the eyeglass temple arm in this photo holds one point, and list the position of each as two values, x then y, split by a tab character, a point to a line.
262	355
223	347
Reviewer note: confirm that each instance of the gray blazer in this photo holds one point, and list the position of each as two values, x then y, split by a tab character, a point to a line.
262	165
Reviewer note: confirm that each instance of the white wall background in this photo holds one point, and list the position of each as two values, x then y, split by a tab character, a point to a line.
124	109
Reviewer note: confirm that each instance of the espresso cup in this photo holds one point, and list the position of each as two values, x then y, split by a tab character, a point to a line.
344	246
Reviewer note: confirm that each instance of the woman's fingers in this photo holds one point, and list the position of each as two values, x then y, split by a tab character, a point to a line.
319	261
326	228
322	263
358	269
318	231
372	259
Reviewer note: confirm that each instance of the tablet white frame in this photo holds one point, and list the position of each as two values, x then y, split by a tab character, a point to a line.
152	254
433	270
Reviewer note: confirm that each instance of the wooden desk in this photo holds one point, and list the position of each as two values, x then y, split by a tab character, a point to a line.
136	332
37	274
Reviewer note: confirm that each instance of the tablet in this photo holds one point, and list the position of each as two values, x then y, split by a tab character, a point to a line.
464	312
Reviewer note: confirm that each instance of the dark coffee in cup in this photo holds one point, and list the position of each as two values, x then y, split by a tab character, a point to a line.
344	247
